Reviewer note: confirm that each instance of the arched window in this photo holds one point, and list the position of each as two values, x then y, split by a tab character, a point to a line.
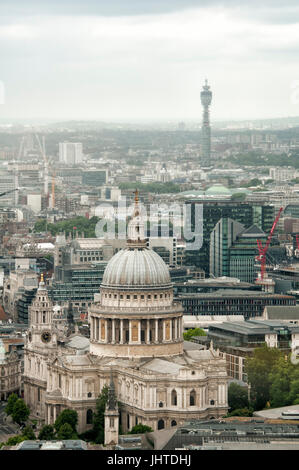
173	422
161	404
161	424
89	416
212	402
192	397
174	398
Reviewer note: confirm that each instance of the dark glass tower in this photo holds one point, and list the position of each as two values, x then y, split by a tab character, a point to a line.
206	98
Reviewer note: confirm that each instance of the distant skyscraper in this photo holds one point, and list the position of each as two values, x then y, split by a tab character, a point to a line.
206	98
70	153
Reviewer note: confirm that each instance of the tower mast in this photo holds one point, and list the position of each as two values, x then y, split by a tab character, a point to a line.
206	98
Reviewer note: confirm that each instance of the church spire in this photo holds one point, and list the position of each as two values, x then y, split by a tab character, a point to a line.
111	403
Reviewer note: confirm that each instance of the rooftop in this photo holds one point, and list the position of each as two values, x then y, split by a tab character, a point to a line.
52	445
282	312
234	293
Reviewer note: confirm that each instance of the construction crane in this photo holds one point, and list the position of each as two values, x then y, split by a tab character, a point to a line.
10	191
46	170
263	250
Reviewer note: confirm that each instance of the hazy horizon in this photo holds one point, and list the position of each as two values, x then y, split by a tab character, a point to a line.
147	60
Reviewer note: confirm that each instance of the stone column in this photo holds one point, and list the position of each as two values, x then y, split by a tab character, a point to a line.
54	415
121	337
92	326
139	331
156	331
130	331
49	413
147	332
176	329
170	330
163	337
113	330
97	327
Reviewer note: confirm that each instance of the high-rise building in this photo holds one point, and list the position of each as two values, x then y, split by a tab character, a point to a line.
222	237
213	210
233	250
70	153
206	98
242	254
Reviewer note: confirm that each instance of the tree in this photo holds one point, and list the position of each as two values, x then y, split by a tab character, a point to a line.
280	379
140	429
28	433
99	418
252	182
20	412
238	197
193	332
258	369
14	440
67	417
294	392
237	397
12	399
240	412
66	432
47	433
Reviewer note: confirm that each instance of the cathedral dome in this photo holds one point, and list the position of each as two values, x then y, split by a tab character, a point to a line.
136	268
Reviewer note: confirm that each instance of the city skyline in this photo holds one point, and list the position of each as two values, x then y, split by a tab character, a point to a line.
142	61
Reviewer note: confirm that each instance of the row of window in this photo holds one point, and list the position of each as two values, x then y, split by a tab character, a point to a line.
91	258
135	297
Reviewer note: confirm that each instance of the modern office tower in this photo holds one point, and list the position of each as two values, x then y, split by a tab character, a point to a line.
233	250
70	153
213	211
222	237
242	254
206	98
94	177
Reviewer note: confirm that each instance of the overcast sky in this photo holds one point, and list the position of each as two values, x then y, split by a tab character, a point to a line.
147	59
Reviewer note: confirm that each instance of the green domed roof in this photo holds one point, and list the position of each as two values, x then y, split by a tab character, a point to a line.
191	193
218	189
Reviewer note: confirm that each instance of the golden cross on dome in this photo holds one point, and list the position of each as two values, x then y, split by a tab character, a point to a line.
42	277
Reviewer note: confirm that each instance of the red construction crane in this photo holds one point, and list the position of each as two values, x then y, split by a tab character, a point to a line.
263	250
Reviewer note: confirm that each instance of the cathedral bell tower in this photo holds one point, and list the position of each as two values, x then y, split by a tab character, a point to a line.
111	416
40	331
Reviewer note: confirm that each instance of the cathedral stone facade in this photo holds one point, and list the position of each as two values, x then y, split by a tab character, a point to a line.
136	341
